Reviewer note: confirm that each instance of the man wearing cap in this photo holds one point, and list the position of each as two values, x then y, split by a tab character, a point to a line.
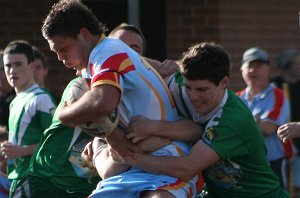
289	81
269	107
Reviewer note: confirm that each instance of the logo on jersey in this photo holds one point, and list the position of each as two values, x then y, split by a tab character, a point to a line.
226	174
210	135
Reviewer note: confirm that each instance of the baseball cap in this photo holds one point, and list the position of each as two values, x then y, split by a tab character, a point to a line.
285	57
253	54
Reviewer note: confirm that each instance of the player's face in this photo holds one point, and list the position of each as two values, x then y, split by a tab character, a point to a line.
39	72
132	39
18	71
70	51
4	86
205	95
256	74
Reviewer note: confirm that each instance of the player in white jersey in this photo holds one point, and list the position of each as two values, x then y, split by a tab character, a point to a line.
31	112
119	77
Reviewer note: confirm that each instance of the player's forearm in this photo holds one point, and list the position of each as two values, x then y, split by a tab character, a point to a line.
107	167
181	130
166	165
28	150
91	105
267	128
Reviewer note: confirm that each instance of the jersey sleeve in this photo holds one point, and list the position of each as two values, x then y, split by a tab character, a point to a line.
45	109
225	141
110	70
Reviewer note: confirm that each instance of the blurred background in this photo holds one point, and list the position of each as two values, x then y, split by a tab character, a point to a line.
170	27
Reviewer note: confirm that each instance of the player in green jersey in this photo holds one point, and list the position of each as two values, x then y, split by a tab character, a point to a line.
231	153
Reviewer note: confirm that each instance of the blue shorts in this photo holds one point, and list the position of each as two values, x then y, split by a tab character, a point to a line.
132	182
297	171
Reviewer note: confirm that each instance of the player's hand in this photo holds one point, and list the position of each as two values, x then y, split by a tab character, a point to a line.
87	152
167	68
288	131
10	150
60	112
120	144
141	128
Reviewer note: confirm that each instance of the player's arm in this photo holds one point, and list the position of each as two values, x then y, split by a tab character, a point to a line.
103	161
267	128
200	157
13	151
108	166
182	130
100	100
289	131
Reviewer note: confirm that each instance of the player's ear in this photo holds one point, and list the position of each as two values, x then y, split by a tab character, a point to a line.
224	82
85	33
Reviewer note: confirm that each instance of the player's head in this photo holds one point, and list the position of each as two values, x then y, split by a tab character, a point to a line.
40	67
68	17
5	88
72	31
205	61
205	68
17	58
130	35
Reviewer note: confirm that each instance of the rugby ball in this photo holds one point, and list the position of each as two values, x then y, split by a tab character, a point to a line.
103	125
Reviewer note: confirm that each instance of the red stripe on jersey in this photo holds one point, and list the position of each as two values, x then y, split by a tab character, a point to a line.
119	62
274	114
240	93
107	76
111	69
288	149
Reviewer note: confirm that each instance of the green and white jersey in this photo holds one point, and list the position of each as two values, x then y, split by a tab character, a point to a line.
183	104
230	130
58	157
31	113
243	170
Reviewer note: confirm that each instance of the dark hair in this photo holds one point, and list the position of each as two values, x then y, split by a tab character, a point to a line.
205	61
39	55
3	134
20	47
130	28
67	17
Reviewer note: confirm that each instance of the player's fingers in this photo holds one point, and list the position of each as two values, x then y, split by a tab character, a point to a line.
130	135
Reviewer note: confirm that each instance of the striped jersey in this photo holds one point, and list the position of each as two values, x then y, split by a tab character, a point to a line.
31	113
58	156
270	105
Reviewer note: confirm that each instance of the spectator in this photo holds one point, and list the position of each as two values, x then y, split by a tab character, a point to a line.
7	94
40	68
118	78
289	81
231	153
269	107
30	112
40	71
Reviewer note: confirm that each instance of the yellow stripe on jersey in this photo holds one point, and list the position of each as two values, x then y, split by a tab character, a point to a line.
158	96
145	62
